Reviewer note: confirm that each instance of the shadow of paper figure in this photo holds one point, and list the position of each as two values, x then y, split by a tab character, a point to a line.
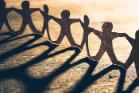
34	85
134	55
121	83
21	48
89	78
133	86
3	15
65	24
25	13
11	37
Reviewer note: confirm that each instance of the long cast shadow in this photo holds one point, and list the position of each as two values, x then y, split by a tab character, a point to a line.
19	73
133	86
5	33
13	38
130	88
38	85
133	58
90	79
14	71
121	83
18	49
43	83
6	39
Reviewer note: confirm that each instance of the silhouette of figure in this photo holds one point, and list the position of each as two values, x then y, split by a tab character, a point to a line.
47	18
26	12
106	38
65	24
3	15
87	30
134	56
